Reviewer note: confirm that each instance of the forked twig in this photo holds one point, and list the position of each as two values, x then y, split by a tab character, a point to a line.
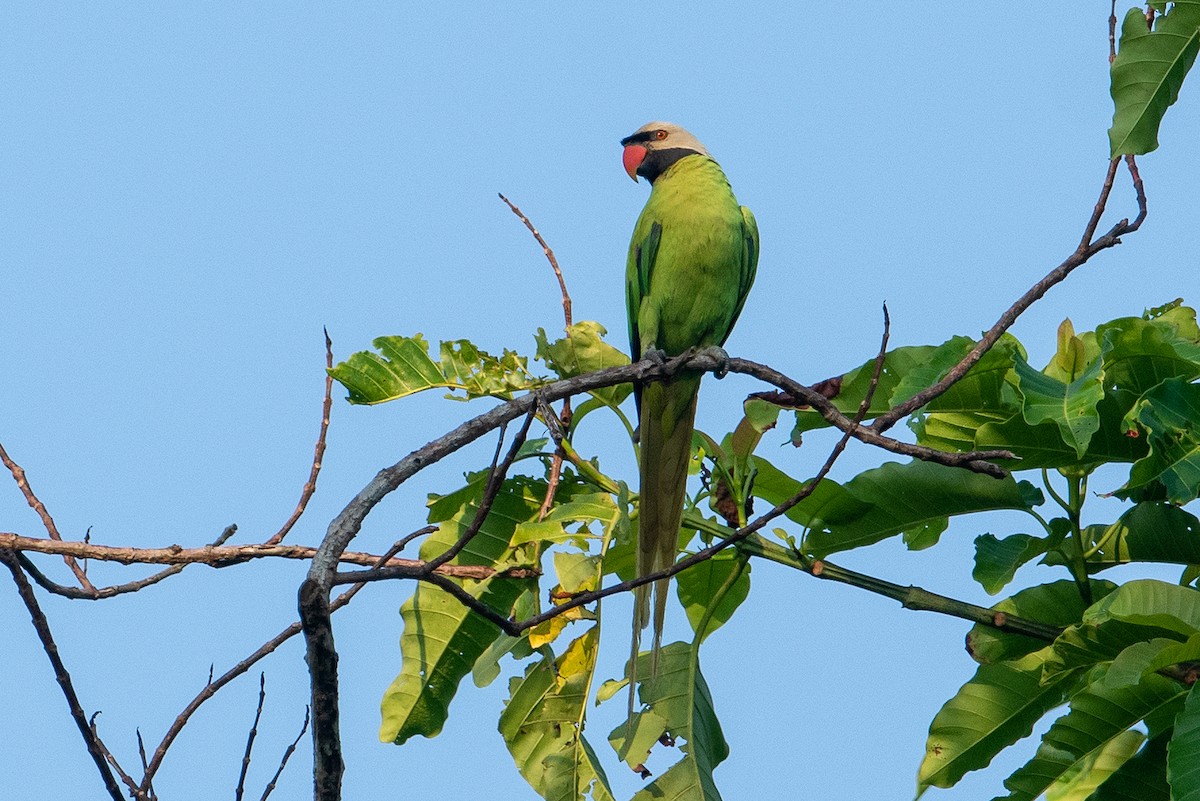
18	474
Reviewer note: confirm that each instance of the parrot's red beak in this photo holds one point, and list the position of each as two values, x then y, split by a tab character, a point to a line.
632	159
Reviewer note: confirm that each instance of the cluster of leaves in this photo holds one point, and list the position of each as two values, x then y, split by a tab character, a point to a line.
1123	394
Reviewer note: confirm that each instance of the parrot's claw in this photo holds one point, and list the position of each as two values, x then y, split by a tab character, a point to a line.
656	355
722	358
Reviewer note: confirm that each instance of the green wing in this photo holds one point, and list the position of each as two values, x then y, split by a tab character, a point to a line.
749	267
642	256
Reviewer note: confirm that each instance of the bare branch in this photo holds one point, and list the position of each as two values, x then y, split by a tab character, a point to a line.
213	556
117	589
287	754
18	474
310	486
262	697
494	482
562	284
214	685
556	461
1087	248
42	627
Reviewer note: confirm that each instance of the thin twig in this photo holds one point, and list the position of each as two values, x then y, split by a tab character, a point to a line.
1112	32
112	760
215	556
18	473
562	284
556	461
1087	248
287	754
214	685
42	627
494	481
310	486
262	698
149	793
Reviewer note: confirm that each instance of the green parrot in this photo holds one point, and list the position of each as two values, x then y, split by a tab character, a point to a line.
691	263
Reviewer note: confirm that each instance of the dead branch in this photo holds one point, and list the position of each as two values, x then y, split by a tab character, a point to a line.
18	474
42	627
219	557
556	461
310	486
1087	248
240	791
287	754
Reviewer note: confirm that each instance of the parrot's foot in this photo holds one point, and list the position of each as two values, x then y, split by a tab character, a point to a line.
656	355
722	358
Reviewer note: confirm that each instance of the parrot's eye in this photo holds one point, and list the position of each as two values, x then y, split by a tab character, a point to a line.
660	135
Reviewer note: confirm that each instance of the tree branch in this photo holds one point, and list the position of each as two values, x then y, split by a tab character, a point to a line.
310	486
213	556
18	474
42	627
1086	249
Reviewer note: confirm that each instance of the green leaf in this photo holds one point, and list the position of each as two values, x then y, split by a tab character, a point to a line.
1147	602
1170	413
1087	644
1135	661
993	710
1074	354
698	585
1056	604
1070	406
1039	446
583	350
997	560
1139	354
1183	753
1097	715
442	639
830	500
1152	532
1187	651
542	725
1141	778
986	389
680	698
576	572
403	367
915	499
1080	783
571	506
487	667
852	386
1148	72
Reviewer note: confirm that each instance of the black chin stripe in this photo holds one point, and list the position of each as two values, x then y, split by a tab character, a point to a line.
657	161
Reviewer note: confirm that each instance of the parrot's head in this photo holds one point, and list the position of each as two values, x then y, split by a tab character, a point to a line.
654	147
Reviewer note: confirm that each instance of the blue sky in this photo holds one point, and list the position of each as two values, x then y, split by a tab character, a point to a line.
189	194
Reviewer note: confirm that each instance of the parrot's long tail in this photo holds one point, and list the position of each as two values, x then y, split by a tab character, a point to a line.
668	414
